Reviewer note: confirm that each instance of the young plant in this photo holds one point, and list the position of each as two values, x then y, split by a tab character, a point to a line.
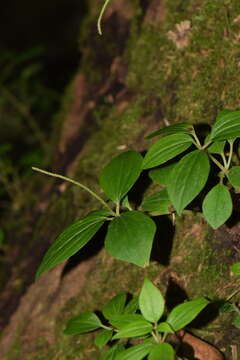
142	318
131	231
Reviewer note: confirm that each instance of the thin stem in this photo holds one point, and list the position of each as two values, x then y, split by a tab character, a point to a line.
99	27
230	154
217	163
206	145
117	208
106	327
197	142
155	337
224	160
75	183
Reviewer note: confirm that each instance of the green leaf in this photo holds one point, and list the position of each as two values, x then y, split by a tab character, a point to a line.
165	328
72	239
132	306
217	206
158	203
172	129
226	307
227	127
130	237
136	328
120	321
103	338
112	353
235	268
162	351
120	174
115	306
188	178
217	147
184	313
136	352
236	322
162	175
166	149
234	176
82	324
151	301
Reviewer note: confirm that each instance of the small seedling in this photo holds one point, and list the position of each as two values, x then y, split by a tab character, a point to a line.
142	318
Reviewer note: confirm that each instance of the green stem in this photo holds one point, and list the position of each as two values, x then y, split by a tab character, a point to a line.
75	183
217	163
230	154
206	145
106	327
155	337
224	160
117	209
197	142
99	27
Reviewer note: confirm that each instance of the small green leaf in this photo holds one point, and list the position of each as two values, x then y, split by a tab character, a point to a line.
172	129
82	324
136	352
184	313
103	338
112	352
136	328
72	239
165	328
217	206
158	203
217	147
130	237
226	307
151	301
115	306
120	321
163	351
234	176
132	306
236	322
227	126
188	178
235	268
120	174
162	174
166	149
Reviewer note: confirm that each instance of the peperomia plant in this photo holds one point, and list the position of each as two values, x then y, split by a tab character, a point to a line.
143	318
180	163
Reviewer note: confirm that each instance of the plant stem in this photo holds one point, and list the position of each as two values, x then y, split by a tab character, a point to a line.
99	27
197	142
217	163
230	154
224	160
75	183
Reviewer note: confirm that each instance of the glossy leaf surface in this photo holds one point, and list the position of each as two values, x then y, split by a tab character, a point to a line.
162	175
188	178
120	174
227	126
115	306
136	328
151	301
72	240
184	313
158	203
82	324
162	351
234	176
130	237
172	129
217	206
165	149
136	352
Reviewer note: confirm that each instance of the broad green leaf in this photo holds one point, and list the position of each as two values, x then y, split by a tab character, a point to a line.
120	174
217	147
217	206
112	352
131	306
151	301
136	328
136	352
163	351
236	322
234	176
222	113
227	127
115	306
165	327
82	324
158	203
235	268
72	239
120	321
172	129
184	313
103	338
188	178
165	149
161	175
130	237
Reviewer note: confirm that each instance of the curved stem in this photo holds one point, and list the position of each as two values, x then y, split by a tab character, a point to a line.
230	154
224	160
99	27
75	183
217	163
197	142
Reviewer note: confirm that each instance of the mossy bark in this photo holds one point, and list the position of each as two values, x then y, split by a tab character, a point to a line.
157	63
